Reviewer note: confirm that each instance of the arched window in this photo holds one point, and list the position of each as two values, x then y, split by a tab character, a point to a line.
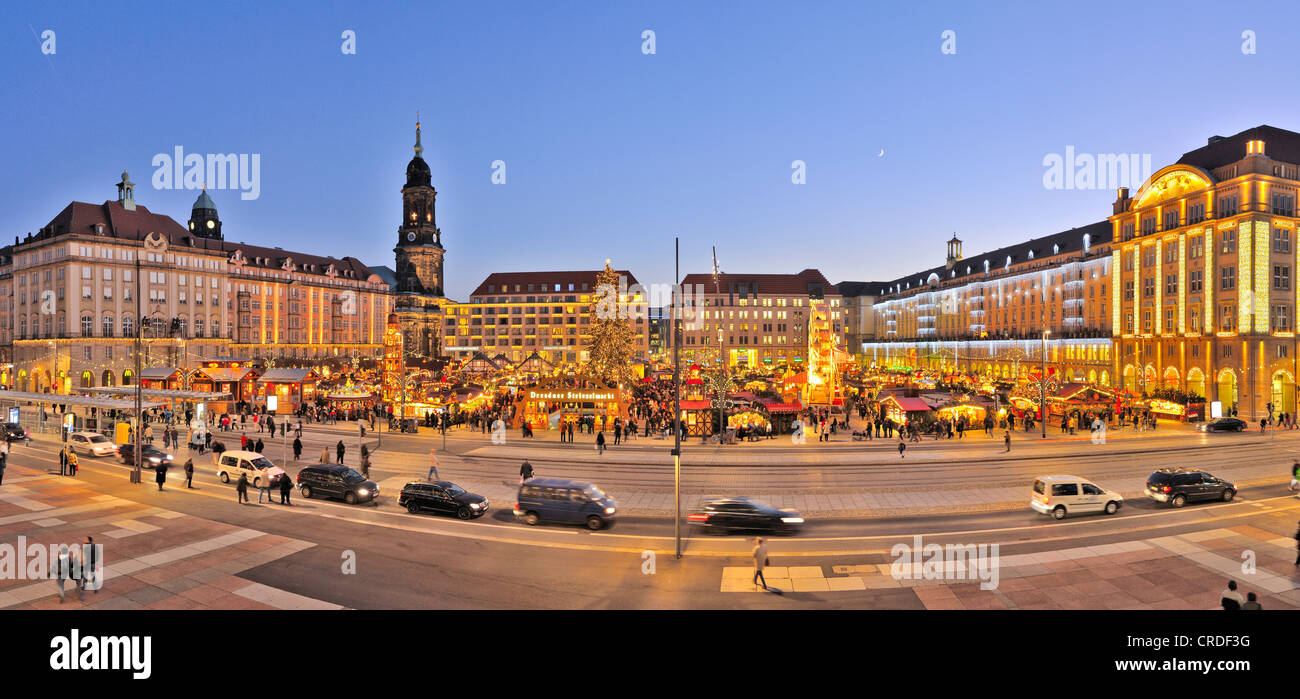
128	326
87	326
128	377
106	326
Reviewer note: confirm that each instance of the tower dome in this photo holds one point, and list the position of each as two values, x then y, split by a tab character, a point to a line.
417	171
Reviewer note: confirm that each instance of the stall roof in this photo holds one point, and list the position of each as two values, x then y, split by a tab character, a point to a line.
225	373
910	405
160	392
85	401
284	375
156	373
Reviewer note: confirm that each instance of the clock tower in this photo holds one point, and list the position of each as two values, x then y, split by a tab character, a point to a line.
419	242
203	218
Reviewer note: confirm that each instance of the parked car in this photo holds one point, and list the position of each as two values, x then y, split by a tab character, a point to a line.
234	464
150	456
336	481
724	515
1178	486
91	444
14	432
1223	424
1060	496
443	497
559	500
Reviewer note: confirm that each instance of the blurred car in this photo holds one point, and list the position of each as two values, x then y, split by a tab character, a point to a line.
1223	424
1064	495
724	515
443	497
1178	486
150	456
336	481
91	444
14	432
560	500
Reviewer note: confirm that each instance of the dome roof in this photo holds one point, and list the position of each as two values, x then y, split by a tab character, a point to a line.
417	173
204	202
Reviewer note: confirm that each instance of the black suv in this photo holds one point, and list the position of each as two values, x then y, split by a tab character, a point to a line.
336	481
150	456
1178	486
13	432
443	497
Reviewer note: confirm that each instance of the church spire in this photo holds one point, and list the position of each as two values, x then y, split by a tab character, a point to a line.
419	149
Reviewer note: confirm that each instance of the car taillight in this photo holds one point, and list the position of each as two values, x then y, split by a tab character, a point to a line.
1165	489
698	517
299	477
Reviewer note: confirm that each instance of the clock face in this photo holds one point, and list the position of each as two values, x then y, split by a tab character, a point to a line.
211	224
410	237
191	225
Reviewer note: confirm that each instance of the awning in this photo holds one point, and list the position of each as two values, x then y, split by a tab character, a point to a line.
909	405
160	393
84	401
158	373
784	407
226	374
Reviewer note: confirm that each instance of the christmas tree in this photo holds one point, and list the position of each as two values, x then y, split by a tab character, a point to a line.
612	337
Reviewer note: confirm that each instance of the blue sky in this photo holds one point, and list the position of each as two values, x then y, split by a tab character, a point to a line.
610	153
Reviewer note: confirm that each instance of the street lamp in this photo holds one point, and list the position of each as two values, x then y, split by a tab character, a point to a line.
1042	385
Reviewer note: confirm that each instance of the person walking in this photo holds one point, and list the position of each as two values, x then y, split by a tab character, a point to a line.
189	474
72	462
432	475
258	447
63	569
339	449
1006	439
241	489
365	461
89	559
63	461
600	442
760	561
160	475
1295	476
902	446
297	449
286	489
525	471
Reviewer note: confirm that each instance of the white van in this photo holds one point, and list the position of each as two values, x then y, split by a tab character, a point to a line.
234	464
1063	495
91	444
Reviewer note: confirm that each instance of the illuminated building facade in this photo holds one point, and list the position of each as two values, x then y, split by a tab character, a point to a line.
761	321
1205	297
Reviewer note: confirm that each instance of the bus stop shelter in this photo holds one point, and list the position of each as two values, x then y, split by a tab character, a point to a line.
93	419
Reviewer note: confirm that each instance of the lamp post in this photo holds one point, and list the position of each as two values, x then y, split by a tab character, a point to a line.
1042	385
139	409
677	403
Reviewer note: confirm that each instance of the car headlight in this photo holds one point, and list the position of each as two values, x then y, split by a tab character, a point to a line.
170	457
363	491
609	510
475	505
154	459
792	520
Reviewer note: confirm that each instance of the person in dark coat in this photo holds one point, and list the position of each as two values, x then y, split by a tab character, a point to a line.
286	487
259	446
189	473
525	471
338	451
63	462
365	461
241	488
160	475
297	449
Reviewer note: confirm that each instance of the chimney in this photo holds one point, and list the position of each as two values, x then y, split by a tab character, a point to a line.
1213	140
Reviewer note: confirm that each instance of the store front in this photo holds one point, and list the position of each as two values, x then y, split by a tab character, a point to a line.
550	408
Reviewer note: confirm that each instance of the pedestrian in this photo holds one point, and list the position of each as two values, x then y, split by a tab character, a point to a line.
243	442
1295	476
433	466
1251	602
600	442
63	569
160	475
3	458
339	449
259	446
72	462
63	461
1006	439
760	561
89	559
525	471
241	488
189	473
297	449
1297	545
365	461
1230	599
902	446
325	455
263	484
286	489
